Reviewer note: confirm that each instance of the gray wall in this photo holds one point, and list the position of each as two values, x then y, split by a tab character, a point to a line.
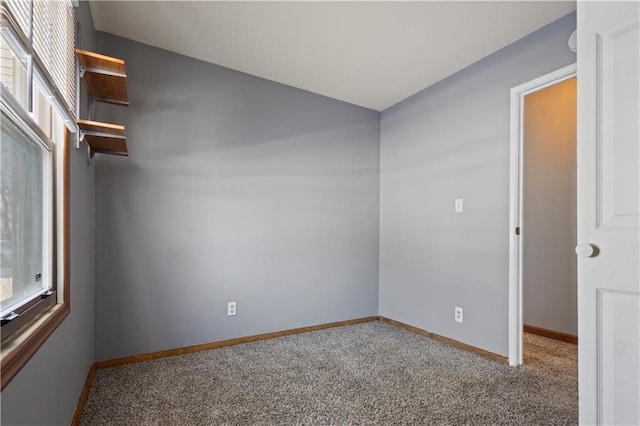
236	189
452	141
549	215
46	390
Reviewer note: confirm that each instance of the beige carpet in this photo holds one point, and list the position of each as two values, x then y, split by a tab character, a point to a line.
367	374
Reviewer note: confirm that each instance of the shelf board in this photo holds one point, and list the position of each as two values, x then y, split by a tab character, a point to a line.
104	137
106	77
97	126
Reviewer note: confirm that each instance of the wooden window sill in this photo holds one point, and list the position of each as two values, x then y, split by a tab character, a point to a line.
17	352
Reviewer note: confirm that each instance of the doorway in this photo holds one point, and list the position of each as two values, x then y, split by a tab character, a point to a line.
542	264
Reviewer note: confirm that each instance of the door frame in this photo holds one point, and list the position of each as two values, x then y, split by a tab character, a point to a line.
516	199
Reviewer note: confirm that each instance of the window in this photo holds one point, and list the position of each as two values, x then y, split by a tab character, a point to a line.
27	165
38	99
14	71
23	213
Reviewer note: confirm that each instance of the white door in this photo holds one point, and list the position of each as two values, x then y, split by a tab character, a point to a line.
608	212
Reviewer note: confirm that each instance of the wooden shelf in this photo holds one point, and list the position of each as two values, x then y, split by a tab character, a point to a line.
106	77
106	81
104	137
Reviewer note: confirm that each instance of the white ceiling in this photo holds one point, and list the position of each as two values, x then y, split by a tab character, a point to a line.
372	54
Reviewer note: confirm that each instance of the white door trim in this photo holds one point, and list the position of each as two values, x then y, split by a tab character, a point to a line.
515	203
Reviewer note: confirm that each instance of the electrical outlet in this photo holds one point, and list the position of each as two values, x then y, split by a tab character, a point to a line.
458	314
231	308
459	205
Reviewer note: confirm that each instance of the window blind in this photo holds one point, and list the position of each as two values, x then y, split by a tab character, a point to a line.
54	44
53	41
21	12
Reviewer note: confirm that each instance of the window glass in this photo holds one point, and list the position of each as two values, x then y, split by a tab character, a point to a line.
13	72
22	266
42	111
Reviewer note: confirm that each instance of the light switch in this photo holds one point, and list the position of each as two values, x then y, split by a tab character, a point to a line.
459	205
